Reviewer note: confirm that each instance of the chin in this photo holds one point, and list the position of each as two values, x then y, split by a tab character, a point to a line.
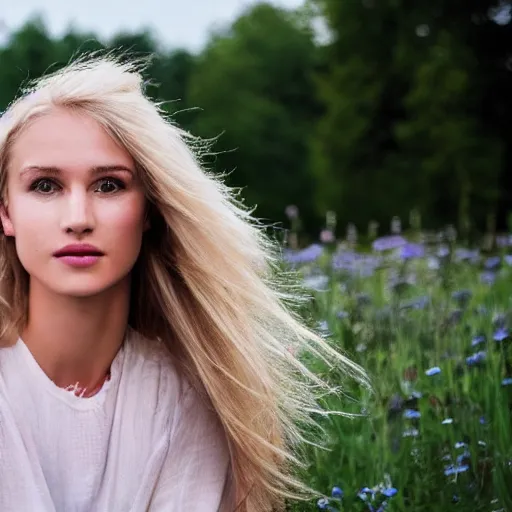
82	292
89	287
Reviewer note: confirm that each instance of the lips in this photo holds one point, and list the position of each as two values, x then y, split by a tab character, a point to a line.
78	250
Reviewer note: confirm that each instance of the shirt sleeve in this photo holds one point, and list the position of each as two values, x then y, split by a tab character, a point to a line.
195	470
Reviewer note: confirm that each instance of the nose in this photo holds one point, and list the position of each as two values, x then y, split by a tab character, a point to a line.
77	216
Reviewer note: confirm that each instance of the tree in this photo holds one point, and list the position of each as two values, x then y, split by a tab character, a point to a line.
254	86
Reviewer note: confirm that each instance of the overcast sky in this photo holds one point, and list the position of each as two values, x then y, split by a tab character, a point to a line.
183	23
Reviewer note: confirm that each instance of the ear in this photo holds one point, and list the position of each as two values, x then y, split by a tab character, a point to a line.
7	226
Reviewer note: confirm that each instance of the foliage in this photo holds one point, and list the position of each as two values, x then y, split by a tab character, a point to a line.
430	324
404	105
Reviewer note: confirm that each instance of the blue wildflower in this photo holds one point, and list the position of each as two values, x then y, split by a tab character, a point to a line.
507	381
387	243
460	444
492	263
342	315
477	340
411	414
488	277
504	241
500	334
443	251
319	283
308	255
364	492
455	470
482	420
477	358
433	371
337	492
410	251
508	259
323	504
389	492
462	254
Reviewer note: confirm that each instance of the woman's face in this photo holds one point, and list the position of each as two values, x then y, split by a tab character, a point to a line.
75	206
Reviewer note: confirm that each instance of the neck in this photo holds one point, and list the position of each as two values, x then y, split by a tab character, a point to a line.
75	339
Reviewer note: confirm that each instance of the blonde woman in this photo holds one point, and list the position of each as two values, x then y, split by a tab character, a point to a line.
146	359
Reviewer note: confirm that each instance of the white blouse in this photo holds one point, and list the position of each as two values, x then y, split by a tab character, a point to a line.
143	443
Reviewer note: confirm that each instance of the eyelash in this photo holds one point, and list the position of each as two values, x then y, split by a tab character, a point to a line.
36	183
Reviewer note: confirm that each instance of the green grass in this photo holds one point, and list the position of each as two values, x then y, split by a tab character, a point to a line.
396	345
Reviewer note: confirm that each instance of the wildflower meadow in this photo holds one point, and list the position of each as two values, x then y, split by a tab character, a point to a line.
429	320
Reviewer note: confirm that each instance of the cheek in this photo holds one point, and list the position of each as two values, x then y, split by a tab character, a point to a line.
124	222
34	225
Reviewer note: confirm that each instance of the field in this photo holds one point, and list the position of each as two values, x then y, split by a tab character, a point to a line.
430	324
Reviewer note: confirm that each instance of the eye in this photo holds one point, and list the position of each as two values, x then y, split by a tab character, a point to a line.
43	186
109	186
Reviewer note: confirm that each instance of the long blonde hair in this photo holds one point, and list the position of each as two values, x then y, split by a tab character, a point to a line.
207	281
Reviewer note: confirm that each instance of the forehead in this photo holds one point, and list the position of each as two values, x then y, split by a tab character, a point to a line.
66	139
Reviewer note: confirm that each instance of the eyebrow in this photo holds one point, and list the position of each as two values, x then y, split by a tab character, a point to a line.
99	169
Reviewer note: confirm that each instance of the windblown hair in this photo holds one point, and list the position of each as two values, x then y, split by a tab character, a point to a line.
207	281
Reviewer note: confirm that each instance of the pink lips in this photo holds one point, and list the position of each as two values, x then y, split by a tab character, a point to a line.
79	255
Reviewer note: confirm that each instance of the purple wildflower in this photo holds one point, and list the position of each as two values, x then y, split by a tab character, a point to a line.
308	255
462	254
443	251
410	251
507	381
500	334
488	277
387	243
492	263
477	340
477	358
508	259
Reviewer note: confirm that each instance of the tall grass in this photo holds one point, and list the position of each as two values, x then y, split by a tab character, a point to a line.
430	326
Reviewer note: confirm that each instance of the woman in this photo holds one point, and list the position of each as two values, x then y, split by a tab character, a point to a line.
146	349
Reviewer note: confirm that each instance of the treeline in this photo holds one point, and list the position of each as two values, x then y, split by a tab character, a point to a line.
407	106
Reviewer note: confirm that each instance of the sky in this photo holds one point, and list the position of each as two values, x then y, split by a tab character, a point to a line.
177	23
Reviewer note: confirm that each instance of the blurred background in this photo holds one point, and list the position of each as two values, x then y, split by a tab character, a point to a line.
366	108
